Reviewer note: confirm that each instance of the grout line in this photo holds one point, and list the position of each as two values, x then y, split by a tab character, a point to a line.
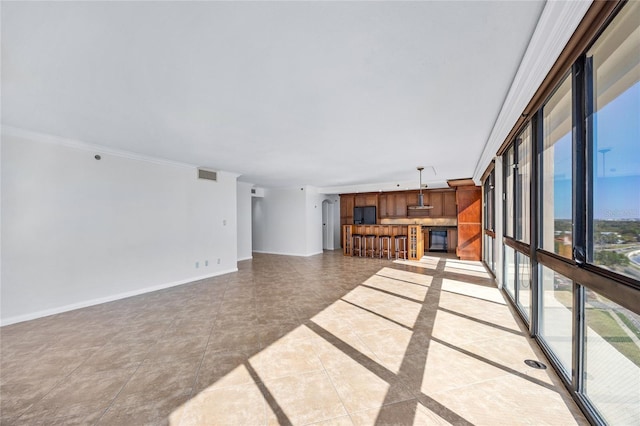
392	294
123	386
406	281
334	388
377	314
267	397
58	383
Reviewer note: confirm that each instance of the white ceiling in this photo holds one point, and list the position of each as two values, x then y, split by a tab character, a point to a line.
284	93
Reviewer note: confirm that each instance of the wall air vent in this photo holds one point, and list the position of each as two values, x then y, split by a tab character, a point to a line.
207	174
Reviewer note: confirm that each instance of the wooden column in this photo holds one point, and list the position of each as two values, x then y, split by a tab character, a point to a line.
469	199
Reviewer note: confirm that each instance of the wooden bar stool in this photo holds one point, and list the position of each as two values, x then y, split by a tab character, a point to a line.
401	246
356	244
370	244
384	245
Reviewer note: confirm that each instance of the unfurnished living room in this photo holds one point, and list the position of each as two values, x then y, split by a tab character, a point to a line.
320	213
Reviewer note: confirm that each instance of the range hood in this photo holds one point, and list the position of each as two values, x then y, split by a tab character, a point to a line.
420	206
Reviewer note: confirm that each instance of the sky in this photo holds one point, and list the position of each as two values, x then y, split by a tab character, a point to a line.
616	184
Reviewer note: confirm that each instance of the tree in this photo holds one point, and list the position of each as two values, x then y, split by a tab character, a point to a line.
610	258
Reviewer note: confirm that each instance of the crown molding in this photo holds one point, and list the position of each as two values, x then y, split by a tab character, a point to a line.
557	23
76	144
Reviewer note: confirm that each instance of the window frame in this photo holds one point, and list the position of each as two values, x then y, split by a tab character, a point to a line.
617	288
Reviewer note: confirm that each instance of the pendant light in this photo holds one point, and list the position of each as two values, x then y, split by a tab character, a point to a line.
421	205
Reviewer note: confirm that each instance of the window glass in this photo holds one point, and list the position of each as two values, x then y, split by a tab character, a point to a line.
489	220
508	208
488	252
524	283
488	203
556	323
510	270
523	182
557	228
612	360
613	125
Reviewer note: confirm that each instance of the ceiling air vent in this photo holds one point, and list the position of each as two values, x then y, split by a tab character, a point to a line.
207	174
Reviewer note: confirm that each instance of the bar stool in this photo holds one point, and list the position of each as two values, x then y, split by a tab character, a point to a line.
356	244
382	247
370	244
401	246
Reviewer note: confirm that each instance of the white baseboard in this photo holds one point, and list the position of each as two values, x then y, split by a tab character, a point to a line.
279	253
245	258
100	300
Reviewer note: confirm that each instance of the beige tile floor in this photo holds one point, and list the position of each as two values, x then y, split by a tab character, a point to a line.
325	340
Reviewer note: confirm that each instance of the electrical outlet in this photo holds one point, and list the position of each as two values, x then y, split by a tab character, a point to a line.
206	263
197	264
218	261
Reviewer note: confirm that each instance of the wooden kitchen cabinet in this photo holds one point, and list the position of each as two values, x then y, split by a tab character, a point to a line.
364	200
382	206
449	206
412	198
435	200
452	240
346	206
400	205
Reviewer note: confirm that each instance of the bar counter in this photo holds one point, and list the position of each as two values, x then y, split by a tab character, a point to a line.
377	230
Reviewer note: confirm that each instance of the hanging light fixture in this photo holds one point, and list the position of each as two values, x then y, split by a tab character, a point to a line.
421	205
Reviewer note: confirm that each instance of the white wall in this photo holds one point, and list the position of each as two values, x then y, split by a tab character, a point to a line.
77	231
499	189
288	221
314	220
244	220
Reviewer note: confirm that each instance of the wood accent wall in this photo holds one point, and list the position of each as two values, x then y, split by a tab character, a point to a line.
469	222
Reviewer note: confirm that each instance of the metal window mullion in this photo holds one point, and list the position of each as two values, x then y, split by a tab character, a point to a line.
589	152
536	143
579	218
515	194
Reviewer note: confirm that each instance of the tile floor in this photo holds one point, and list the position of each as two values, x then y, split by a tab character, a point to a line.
325	340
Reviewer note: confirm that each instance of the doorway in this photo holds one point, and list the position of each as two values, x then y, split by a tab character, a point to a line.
327	225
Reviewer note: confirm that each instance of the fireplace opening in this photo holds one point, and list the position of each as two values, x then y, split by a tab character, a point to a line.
438	240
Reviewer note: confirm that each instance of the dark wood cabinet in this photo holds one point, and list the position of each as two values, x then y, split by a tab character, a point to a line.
437	202
346	206
400	205
452	240
364	200
382	206
449	204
